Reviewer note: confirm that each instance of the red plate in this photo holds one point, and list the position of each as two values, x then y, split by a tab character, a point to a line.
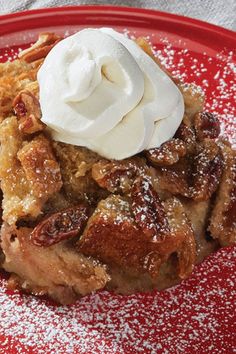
197	316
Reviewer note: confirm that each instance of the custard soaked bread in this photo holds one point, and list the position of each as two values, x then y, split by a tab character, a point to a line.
75	222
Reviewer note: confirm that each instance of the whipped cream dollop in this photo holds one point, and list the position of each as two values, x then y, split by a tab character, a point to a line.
100	90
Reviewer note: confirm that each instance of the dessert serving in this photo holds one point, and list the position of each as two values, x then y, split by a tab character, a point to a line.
112	174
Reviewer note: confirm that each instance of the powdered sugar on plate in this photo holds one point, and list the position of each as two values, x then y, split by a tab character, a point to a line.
196	316
215	76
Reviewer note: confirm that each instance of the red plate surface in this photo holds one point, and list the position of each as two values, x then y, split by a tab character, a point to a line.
197	316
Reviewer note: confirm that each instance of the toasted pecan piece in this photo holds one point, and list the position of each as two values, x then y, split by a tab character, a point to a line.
41	48
223	219
176	179
186	133
168	153
40	166
27	108
117	176
206	125
207	170
148	210
194	176
60	226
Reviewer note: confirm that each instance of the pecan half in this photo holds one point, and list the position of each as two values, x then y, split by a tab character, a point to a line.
117	176
27	108
60	226
176	179
186	133
168	153
148	210
41	48
195	176
207	170
206	125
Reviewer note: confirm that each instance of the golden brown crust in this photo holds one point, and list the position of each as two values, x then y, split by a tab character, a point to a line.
14	77
40	167
58	270
18	200
113	236
198	213
28	170
186	256
223	220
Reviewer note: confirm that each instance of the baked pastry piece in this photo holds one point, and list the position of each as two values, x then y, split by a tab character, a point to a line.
59	271
74	222
223	219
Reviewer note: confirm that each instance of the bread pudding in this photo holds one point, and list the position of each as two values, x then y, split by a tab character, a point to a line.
74	221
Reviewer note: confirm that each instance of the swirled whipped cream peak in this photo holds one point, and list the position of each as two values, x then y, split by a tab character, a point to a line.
100	90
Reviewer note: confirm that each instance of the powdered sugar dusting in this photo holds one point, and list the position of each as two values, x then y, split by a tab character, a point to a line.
215	76
196	314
